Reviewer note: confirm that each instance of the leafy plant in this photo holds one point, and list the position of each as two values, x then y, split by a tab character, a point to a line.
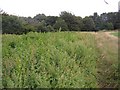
49	60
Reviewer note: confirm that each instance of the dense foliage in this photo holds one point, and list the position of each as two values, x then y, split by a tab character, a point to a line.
51	60
65	22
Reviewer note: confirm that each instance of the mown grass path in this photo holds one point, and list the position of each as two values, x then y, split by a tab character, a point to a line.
116	34
107	63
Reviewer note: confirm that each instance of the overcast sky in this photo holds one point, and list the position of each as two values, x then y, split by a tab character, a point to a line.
54	7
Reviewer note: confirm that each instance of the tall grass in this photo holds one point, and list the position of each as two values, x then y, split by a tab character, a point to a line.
49	60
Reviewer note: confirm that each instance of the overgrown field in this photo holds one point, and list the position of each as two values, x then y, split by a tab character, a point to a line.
51	60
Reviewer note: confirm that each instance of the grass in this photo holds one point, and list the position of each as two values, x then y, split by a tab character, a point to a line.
107	63
49	60
59	60
117	34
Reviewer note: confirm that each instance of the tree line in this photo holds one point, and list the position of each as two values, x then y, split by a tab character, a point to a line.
66	21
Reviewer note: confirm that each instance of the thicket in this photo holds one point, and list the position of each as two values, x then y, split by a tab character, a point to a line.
65	22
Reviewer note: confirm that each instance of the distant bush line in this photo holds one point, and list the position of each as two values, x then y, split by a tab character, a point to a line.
66	21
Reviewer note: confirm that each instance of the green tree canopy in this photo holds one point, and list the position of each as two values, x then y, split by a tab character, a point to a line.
60	24
74	23
11	24
88	24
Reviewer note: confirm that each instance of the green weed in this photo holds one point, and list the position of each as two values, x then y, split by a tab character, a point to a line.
49	60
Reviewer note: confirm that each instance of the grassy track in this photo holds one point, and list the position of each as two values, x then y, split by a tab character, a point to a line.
107	63
61	59
116	34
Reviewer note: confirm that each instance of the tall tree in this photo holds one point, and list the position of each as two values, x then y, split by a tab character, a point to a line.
11	24
60	24
42	27
71	20
39	17
50	20
89	24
